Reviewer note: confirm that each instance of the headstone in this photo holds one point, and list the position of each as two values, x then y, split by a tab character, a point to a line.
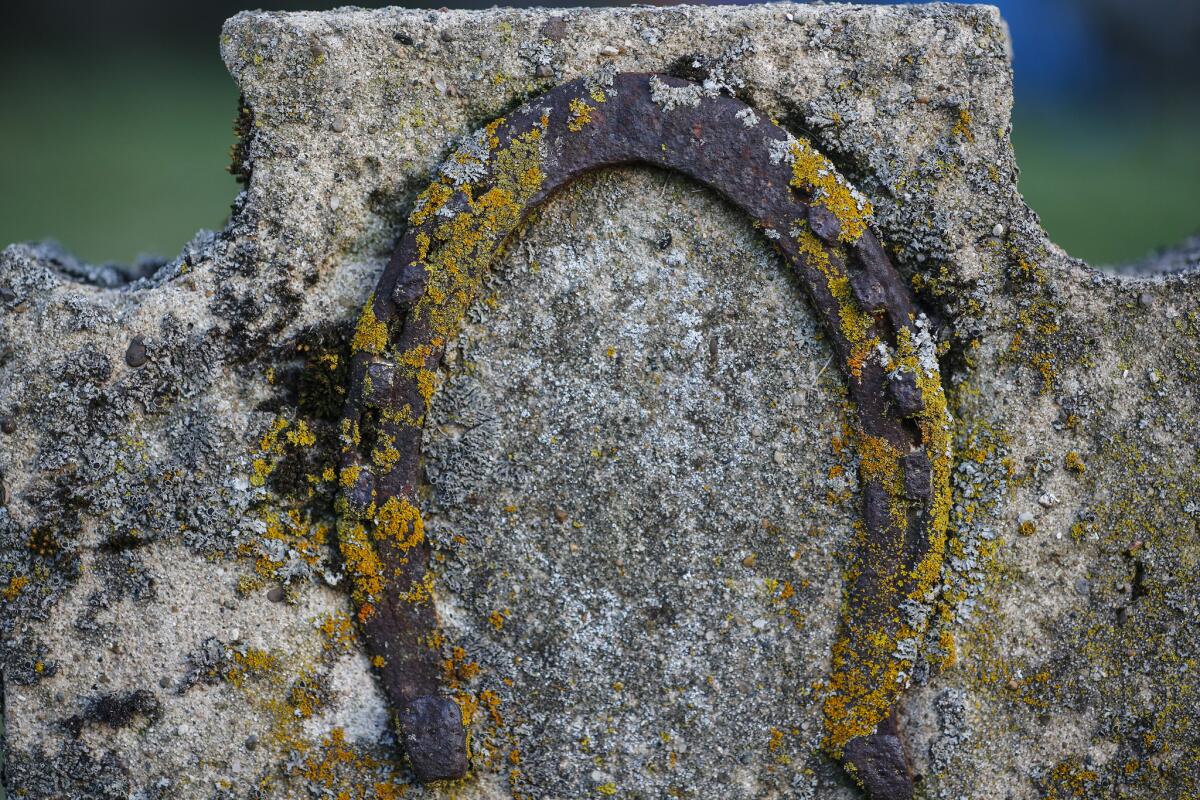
641	458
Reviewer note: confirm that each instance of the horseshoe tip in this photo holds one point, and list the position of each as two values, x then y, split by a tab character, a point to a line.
434	738
878	762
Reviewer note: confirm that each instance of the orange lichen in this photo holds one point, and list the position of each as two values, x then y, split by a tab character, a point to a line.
426	384
458	668
338	630
492	701
366	571
335	767
15	585
399	522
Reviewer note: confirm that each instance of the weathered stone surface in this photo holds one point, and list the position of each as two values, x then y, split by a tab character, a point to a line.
640	506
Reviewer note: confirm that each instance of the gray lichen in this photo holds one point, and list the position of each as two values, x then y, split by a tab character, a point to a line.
640	481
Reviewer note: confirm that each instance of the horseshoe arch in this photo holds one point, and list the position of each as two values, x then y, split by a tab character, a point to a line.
815	220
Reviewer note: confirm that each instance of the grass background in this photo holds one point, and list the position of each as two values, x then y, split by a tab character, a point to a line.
127	155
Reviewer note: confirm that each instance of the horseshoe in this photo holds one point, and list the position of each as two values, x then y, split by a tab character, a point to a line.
816	221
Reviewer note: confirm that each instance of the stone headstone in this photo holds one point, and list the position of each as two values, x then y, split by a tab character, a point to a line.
641	463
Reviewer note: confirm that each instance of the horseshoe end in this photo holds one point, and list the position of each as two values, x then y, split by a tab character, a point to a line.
878	762
434	738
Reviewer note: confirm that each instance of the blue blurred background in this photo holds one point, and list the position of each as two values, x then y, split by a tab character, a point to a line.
116	122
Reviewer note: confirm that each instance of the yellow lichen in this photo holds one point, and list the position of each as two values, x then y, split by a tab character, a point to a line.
416	356
403	416
581	114
855	324
349	476
338	630
370	335
461	249
350	434
385	455
421	591
249	663
949	648
301	435
866	675
429	202
962	128
813	172
260	471
455	255
879	460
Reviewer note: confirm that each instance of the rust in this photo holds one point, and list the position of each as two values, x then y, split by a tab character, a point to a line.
711	139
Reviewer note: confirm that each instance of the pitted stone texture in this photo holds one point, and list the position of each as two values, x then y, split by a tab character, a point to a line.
143	647
646	566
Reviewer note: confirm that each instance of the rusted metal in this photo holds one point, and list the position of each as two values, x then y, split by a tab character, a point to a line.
721	143
880	763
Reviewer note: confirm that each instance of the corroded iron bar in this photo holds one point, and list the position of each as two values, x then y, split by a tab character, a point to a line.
815	219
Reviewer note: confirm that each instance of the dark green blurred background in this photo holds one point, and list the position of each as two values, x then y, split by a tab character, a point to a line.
115	123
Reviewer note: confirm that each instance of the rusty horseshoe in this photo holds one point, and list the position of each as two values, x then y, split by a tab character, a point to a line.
816	221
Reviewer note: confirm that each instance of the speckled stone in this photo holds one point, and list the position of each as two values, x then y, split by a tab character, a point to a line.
641	484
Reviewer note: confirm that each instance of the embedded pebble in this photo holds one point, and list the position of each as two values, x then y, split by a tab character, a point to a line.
135	354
